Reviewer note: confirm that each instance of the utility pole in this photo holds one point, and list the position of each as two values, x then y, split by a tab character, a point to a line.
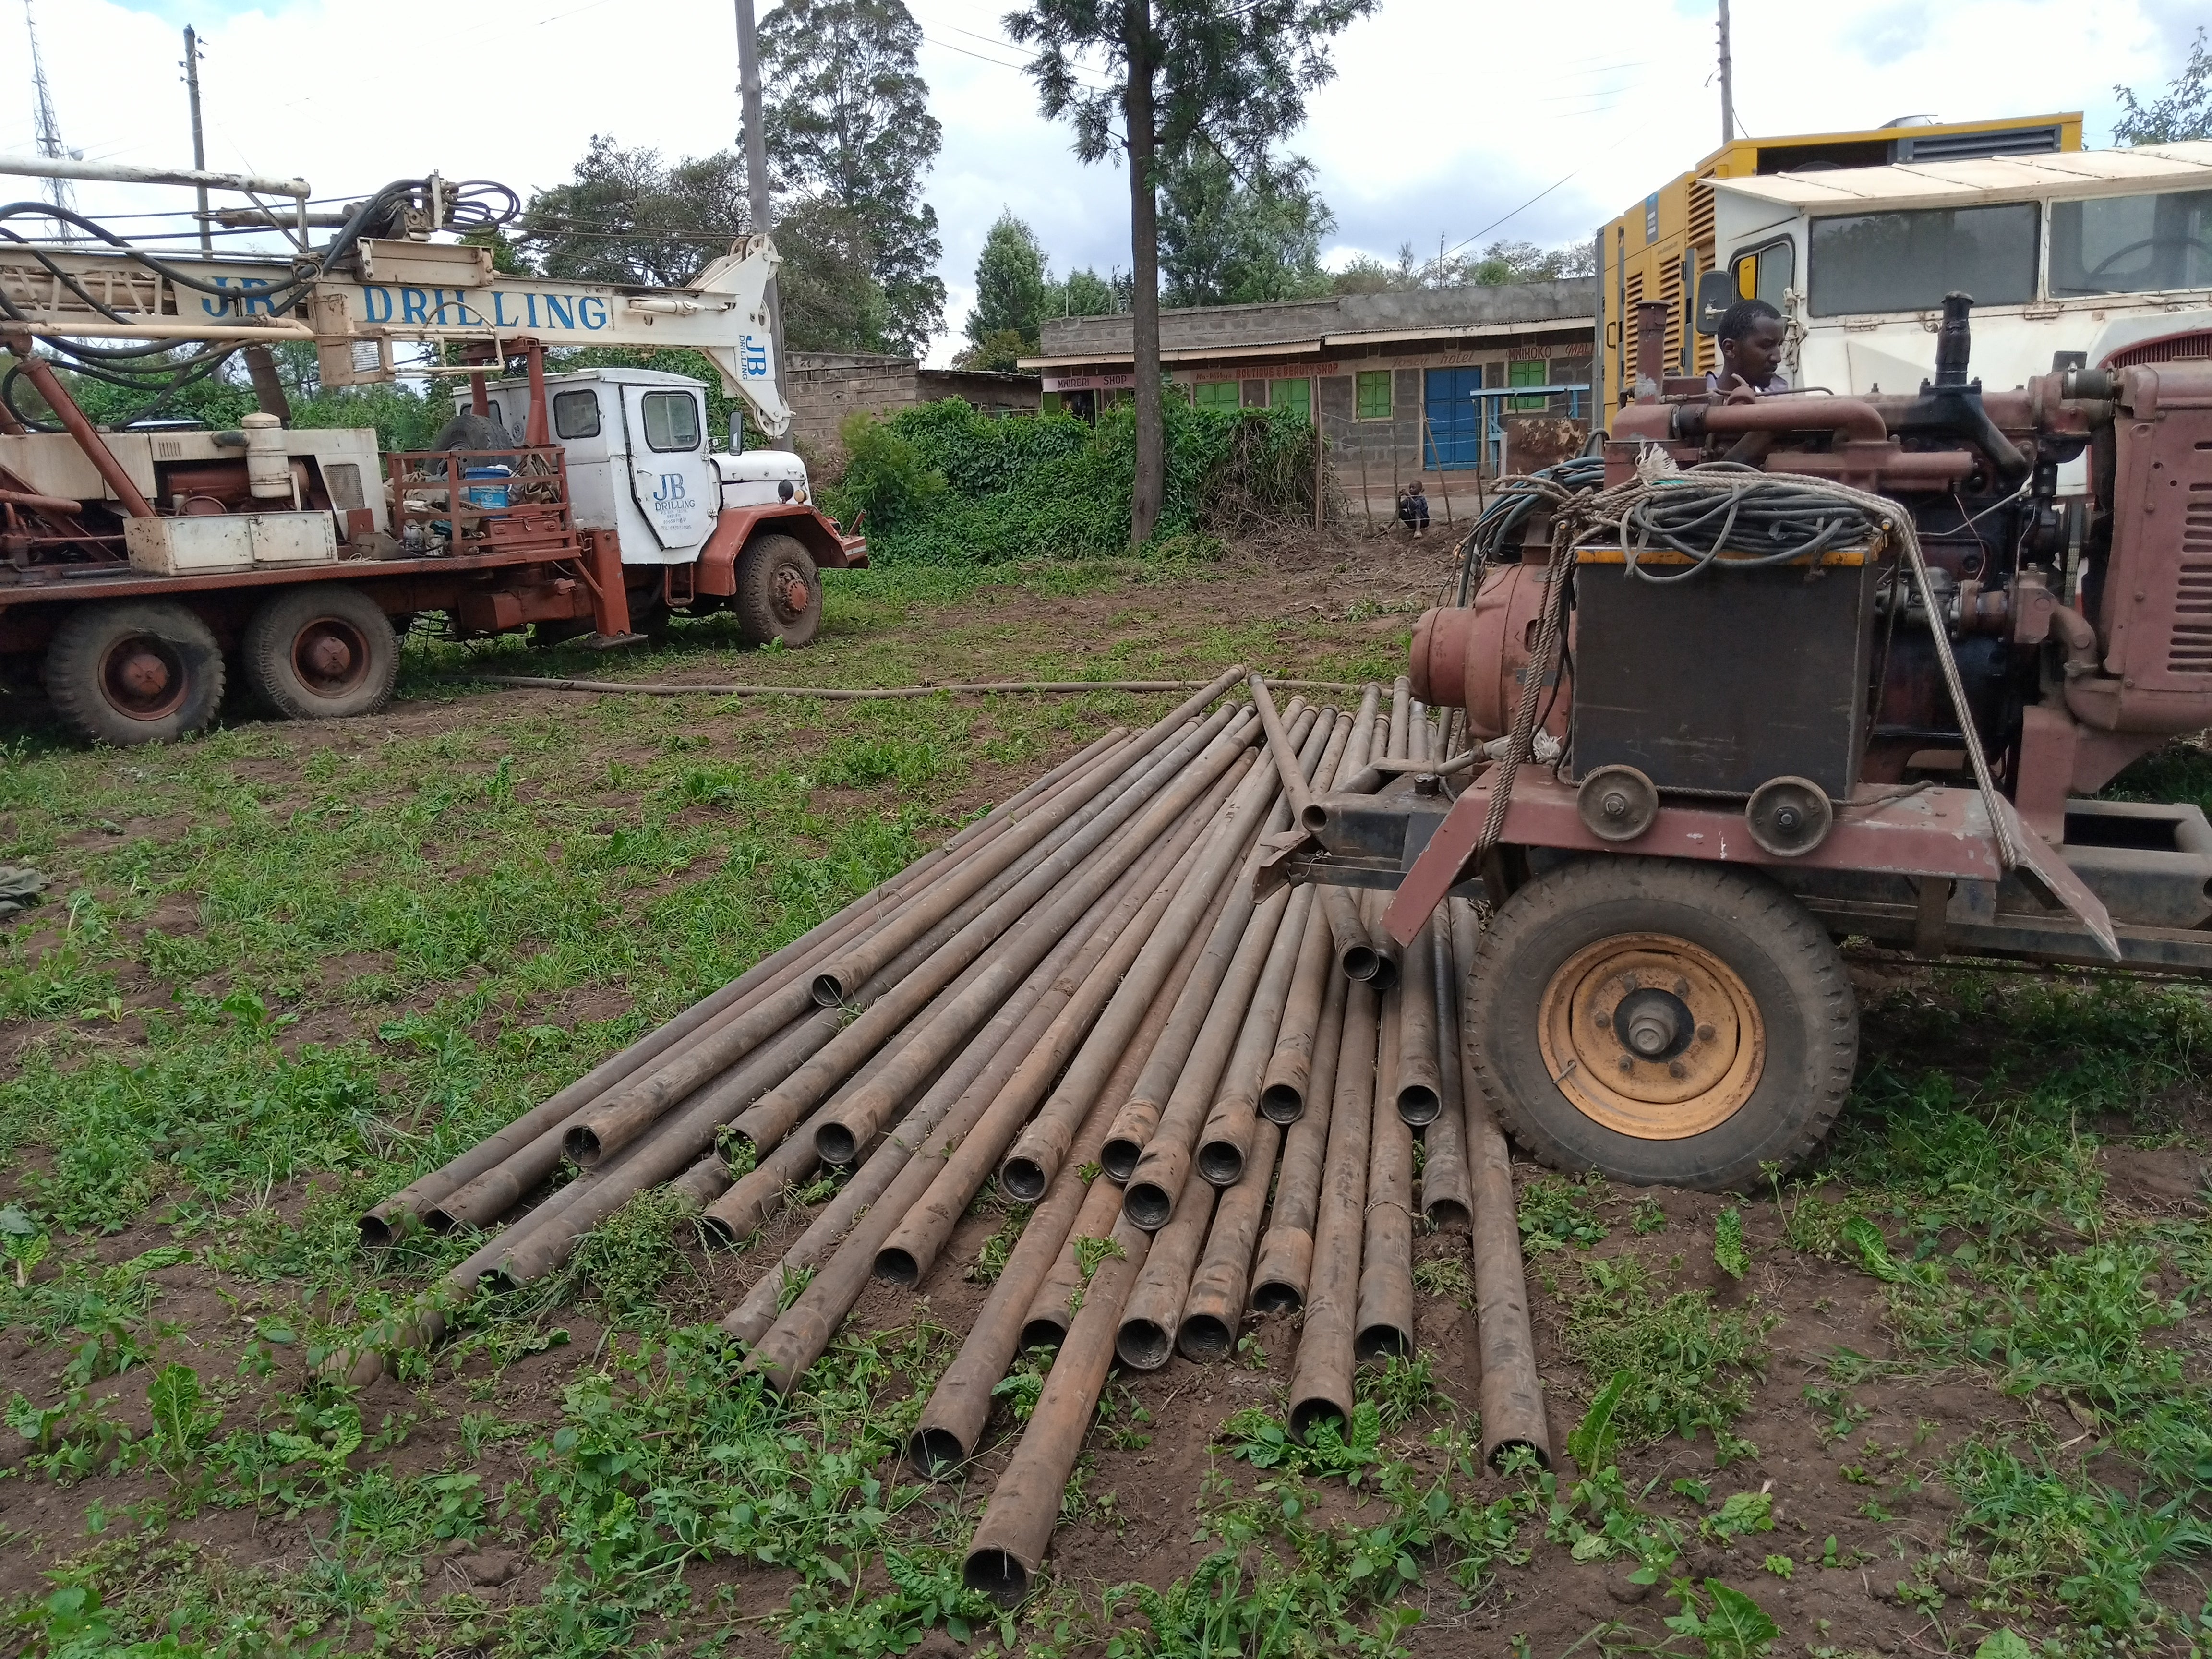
50	127
755	136
199	142
1728	82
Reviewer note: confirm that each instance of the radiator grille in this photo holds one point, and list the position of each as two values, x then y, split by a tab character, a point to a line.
2173	349
2189	648
1706	350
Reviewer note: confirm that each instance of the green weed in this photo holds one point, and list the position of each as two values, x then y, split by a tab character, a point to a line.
1690	1366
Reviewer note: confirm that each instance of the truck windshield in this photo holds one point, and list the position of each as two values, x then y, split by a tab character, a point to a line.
2132	244
1875	262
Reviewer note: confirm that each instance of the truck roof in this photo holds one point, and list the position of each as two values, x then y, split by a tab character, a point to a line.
613	376
1945	184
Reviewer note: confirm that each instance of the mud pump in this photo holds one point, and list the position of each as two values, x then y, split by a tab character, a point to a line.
1795	669
144	568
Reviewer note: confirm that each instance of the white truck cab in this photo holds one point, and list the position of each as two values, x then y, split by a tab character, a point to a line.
640	459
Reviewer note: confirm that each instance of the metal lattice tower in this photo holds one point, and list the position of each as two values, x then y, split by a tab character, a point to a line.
50	127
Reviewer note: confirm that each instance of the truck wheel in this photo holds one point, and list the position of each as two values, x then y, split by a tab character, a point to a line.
125	674
321	651
779	593
1662	1021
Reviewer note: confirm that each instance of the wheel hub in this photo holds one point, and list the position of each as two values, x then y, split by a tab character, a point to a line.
792	595
330	657
143	678
1651	1036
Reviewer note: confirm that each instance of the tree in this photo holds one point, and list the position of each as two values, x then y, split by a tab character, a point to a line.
627	216
1086	294
1224	241
1499	264
1013	289
2184	112
847	124
1176	74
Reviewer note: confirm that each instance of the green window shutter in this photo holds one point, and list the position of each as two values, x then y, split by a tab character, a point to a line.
1372	389
1217	394
1292	394
1529	372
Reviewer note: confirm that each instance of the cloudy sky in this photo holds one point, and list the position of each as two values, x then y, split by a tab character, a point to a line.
1449	120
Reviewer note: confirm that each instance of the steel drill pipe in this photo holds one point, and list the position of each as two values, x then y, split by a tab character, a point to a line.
1010	1542
1419	1095
1053	1302
1512	1397
1157	840
833	983
1007	925
1295	786
1215	1306
750	1319
378	1225
1355	947
1283	1090
1321	1380
914	1246
1156	1185
1144	1339
1036	1157
1355	942
1446	1198
1385	1322
1278	1282
1232	1123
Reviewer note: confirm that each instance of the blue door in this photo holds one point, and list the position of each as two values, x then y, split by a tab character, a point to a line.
1454	418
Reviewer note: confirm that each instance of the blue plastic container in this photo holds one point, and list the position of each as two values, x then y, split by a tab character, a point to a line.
487	496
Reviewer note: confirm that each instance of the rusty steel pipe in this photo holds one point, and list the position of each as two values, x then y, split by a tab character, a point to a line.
1231	1126
1158	1182
40	375
1156	841
1419	1095
1215	1306
1290	1067
59	505
1034	1158
832	982
1008	928
1320	1381
1384	1325
1010	1542
1053	1303
1279	1281
1144	1339
1512	1397
1850	418
1356	952
1446	1198
1293	775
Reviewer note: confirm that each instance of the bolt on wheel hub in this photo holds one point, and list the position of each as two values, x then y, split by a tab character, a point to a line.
1651	1036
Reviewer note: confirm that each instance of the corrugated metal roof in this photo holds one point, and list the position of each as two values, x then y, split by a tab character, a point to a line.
1938	184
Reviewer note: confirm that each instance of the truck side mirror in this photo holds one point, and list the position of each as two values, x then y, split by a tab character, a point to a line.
1716	294
737	432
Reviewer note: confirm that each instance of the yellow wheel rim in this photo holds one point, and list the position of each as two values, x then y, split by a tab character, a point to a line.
1651	1036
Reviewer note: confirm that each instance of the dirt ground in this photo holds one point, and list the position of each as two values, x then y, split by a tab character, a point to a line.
1869	1502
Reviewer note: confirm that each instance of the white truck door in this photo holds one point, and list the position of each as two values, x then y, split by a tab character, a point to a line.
670	477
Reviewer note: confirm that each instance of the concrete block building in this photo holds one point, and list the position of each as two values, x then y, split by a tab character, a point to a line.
824	388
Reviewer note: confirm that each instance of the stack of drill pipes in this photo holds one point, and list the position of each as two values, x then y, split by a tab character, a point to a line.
1041	1271
380	1225
920	922
1421	1079
1145	1339
1011	924
706	1058
1010	1542
1226	1141
1355	949
1041	997
1321	1380
803	1332
1038	1154
1215	1306
1512	1402
912	1247
1278	1282
1384	1325
1446	1199
1140	1115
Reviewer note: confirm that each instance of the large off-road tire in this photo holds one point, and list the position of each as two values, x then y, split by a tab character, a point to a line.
1662	1022
322	651
779	593
126	674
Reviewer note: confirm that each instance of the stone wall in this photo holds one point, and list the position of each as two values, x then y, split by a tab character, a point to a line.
823	388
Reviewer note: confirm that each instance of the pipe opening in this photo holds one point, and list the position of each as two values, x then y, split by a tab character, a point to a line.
1420	1105
1385	978
1119	1160
1221	1162
1281	1103
827	990
1205	1338
1314	817
1379	1342
898	1267
1044	1334
935	1452
437	1220
376	1232
1150	1205
581	1146
996	1574
1361	962
1498	1452
1024	1178
1449	1213
1307	1415
723	1233
834	1143
1271	1297
1143	1344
